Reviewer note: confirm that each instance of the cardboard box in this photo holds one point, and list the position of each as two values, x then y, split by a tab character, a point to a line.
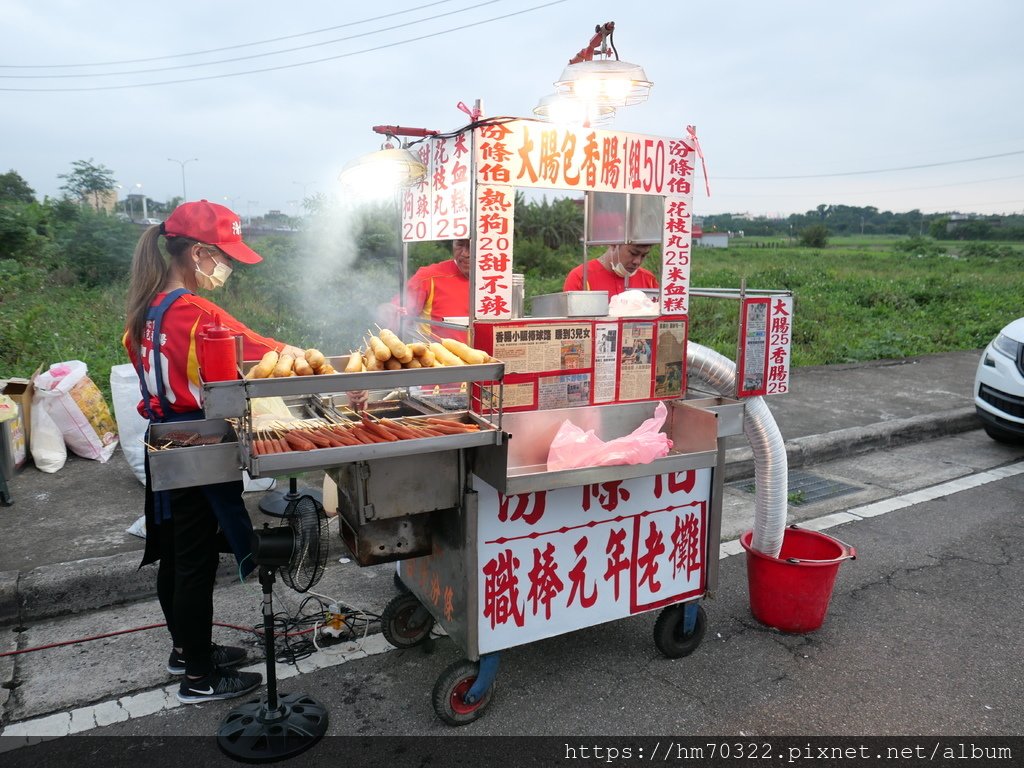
16	435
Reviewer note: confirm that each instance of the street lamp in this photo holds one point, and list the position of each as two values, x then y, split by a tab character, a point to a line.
603	81
183	163
145	213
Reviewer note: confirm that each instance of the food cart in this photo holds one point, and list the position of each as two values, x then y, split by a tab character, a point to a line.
531	553
490	544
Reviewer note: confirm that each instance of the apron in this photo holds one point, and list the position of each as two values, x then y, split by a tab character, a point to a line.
224	498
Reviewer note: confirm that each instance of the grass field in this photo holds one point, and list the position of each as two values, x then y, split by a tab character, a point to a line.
859	299
862	299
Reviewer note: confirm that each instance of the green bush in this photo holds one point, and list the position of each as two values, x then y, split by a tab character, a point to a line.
814	236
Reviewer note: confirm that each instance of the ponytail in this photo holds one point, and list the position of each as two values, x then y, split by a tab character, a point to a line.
148	272
148	275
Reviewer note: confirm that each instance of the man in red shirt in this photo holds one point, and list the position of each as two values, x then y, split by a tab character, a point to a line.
435	292
614	271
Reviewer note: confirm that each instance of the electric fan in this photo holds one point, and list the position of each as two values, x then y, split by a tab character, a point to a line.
279	727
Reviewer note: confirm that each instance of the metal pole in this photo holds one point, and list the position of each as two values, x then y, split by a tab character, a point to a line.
183	163
267	580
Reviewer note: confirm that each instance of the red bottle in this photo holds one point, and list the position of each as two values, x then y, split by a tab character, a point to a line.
218	361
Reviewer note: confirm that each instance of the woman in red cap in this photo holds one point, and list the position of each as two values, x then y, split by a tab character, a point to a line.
203	241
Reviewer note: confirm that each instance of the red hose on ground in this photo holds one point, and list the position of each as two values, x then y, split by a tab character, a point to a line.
254	630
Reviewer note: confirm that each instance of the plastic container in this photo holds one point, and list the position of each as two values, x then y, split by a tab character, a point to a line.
792	592
218	360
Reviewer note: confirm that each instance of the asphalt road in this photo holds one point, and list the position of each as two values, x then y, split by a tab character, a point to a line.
922	637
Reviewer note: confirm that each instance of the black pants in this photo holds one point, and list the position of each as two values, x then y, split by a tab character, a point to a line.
189	554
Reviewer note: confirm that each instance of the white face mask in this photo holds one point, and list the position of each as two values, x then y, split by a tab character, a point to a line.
221	273
620	270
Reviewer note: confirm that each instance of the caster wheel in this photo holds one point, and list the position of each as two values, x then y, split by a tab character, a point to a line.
668	632
450	691
405	622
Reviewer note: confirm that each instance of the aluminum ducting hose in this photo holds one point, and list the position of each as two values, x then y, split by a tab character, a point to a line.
771	468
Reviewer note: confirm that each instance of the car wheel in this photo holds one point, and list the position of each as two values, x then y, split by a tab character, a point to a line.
1003	435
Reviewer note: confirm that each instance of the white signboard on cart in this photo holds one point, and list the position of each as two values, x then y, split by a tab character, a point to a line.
438	208
554	561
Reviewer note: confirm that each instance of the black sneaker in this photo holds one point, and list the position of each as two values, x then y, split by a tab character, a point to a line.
219	684
220	655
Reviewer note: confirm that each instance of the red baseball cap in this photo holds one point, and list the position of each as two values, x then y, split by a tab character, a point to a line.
212	224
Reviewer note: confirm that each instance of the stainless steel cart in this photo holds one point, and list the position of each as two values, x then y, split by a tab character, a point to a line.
519	553
492	546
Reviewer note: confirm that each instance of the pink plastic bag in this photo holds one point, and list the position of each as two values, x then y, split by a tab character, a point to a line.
573	448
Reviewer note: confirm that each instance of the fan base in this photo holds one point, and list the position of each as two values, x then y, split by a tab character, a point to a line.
255	733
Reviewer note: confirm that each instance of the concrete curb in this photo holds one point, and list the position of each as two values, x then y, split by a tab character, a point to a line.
91	584
82	586
853	441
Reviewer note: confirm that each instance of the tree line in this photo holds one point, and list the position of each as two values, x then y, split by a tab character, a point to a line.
76	239
845	220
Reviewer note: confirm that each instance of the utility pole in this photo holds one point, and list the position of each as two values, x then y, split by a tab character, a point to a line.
183	163
145	213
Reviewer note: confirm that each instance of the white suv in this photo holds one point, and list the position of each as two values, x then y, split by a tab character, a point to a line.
999	385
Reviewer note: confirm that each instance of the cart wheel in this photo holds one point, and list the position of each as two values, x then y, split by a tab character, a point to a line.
668	631
405	622
450	691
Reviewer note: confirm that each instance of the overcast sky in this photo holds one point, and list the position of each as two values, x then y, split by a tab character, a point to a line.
795	103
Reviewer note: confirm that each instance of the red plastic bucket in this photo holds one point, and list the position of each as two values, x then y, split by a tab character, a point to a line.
791	592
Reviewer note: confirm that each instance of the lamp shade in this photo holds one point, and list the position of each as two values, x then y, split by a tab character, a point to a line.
383	170
568	109
605	82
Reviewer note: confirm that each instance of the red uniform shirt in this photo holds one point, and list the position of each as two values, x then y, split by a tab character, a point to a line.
182	323
600	278
439	291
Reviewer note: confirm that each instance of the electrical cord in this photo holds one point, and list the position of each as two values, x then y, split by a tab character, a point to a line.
295	630
475	124
80	640
309	618
287	627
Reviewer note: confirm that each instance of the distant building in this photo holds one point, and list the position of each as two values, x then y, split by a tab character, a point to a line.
712	239
105	201
707	239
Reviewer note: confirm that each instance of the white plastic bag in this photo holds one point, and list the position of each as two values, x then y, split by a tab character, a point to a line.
631	303
47	445
573	448
131	427
76	405
138	528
